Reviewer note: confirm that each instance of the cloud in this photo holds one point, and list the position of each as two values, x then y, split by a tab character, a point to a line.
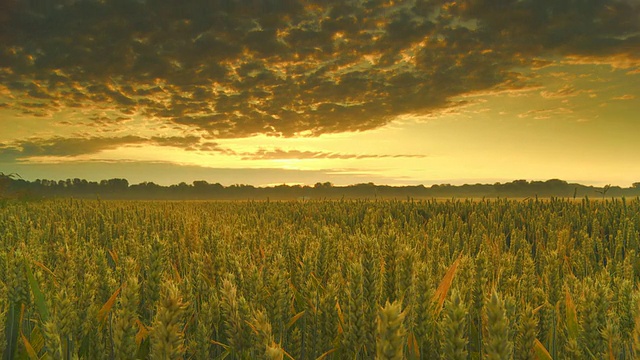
542	114
624	60
284	68
71	147
66	147
564	92
624	97
279	154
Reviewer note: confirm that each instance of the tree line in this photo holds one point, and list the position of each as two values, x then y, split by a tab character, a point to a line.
12	186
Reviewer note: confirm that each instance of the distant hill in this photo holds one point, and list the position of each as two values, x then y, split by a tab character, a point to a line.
14	187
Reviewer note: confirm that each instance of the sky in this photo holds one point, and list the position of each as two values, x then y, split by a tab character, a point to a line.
266	92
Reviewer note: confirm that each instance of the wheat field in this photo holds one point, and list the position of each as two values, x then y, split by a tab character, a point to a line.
486	279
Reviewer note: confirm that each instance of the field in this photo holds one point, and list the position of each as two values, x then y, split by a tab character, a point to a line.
488	279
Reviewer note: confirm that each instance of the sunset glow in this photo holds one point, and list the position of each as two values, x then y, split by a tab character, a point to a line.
407	92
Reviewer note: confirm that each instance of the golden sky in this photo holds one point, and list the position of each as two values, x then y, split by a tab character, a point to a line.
284	91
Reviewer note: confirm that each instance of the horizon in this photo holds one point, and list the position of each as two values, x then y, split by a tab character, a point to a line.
635	185
401	94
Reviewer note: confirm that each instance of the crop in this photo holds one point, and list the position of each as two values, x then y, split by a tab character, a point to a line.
498	279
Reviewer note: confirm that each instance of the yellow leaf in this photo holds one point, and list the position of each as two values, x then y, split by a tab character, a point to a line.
186	324
540	351
177	273
43	267
253	328
27	345
295	318
445	284
611	356
572	317
226	347
32	353
327	353
412	344
288	355
340	318
142	334
114	256
535	311
104	311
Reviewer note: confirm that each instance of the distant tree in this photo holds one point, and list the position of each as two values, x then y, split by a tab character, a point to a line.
199	184
514	188
5	183
147	186
114	185
636	185
216	187
556	182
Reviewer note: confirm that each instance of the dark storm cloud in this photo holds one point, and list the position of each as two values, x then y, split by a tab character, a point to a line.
70	147
287	67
